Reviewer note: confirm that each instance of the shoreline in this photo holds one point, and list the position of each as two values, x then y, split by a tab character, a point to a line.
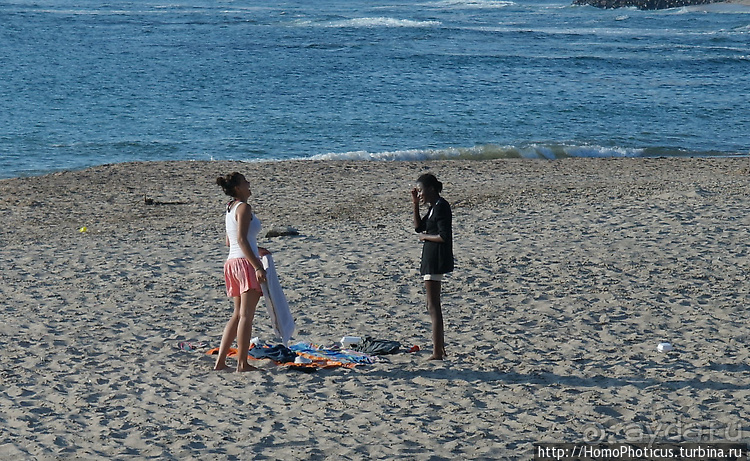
569	273
490	156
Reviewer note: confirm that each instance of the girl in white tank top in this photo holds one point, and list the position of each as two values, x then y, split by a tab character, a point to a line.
243	270
233	232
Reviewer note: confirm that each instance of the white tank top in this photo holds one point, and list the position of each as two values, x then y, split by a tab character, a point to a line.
233	231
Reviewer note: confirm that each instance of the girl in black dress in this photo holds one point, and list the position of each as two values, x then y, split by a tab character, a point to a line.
436	232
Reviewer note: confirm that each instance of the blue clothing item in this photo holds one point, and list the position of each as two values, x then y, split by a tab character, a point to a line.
278	353
322	353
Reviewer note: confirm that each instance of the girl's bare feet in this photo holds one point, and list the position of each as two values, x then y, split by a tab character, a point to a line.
435	356
245	367
221	366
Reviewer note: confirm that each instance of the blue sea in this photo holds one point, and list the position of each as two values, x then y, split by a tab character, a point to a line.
93	82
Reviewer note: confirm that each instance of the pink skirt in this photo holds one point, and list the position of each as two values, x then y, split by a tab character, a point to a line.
240	277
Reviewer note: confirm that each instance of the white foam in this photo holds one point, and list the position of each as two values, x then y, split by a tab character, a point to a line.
383	22
412	154
603	152
471	4
730	8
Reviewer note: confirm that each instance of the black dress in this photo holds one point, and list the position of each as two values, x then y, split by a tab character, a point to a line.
437	258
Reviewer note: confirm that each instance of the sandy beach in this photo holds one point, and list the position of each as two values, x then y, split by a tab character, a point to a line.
569	274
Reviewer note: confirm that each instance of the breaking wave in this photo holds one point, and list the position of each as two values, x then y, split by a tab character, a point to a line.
531	151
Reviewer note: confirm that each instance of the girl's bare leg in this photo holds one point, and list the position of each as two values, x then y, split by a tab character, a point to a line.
230	333
248	302
432	287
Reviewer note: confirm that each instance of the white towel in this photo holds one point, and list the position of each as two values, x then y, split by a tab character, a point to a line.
278	308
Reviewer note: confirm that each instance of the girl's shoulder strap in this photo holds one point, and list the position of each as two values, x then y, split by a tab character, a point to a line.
240	203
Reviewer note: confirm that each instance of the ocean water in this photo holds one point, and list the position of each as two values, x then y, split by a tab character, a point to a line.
92	82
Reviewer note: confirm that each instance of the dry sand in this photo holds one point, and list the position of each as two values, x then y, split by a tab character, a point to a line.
569	273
